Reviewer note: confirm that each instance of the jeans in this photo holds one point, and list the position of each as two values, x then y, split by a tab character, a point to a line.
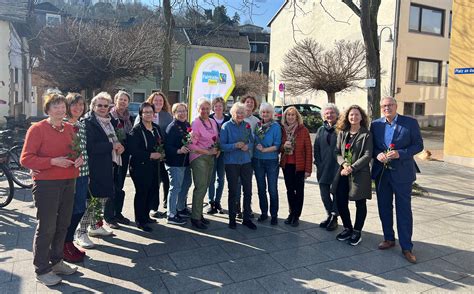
215	194
202	169
330	203
342	198
234	172
266	170
180	182
294	182
80	198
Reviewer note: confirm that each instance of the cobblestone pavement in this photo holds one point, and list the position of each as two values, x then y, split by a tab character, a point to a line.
280	258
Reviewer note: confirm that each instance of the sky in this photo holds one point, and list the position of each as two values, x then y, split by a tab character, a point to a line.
260	14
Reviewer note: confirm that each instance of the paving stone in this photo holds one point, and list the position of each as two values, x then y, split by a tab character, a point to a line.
169	245
218	237
145	267
17	286
464	259
199	257
291	240
251	267
250	247
464	285
380	261
438	271
147	285
6	269
246	287
196	279
300	256
298	280
336	272
336	249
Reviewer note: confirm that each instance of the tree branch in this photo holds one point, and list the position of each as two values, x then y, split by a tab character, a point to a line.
352	6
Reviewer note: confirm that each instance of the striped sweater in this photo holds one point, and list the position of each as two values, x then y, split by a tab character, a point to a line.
303	150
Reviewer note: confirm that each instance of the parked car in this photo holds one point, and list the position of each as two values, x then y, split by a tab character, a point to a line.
133	108
311	114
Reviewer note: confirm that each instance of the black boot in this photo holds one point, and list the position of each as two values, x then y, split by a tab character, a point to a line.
219	207
324	224
332	225
212	208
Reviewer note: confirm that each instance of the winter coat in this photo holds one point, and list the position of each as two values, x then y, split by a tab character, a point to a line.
324	155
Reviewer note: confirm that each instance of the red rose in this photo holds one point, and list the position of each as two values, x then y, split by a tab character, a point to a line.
189	130
120	125
259	123
76	129
247	126
348	146
392	146
214	138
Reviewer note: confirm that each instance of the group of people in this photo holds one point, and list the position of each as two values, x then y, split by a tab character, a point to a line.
79	161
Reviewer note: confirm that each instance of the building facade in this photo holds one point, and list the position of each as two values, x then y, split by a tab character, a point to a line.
414	61
459	130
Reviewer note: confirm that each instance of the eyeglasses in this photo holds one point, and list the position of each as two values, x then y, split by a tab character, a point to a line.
387	105
102	105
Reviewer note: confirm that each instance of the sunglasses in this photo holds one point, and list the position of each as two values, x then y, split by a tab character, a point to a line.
102	105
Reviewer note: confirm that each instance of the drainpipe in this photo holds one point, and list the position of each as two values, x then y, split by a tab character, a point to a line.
393	80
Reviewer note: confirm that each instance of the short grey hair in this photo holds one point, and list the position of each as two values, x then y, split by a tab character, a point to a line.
101	95
236	107
394	101
330	106
266	106
120	93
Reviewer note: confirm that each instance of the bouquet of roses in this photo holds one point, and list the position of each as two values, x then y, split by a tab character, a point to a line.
386	165
261	129
247	133
75	146
160	148
187	137
348	154
120	132
289	150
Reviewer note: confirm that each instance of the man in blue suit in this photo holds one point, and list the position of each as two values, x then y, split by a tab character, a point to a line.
397	139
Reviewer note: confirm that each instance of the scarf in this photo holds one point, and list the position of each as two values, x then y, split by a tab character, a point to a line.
124	117
109	130
290	130
262	128
330	130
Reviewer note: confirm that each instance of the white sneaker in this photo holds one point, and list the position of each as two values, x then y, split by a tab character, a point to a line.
49	279
101	231
61	268
84	241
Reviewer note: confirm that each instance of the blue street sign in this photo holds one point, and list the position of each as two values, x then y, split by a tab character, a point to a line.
462	71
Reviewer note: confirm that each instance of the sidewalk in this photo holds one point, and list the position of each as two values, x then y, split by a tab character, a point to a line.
271	259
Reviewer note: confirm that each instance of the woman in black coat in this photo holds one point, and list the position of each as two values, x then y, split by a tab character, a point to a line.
147	149
103	150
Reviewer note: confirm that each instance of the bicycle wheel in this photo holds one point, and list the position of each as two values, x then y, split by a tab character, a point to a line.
6	186
21	175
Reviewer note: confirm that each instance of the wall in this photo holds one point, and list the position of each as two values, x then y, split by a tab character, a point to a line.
459	130
419	45
4	69
319	25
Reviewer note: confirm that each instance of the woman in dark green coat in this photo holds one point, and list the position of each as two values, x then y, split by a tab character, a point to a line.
352	181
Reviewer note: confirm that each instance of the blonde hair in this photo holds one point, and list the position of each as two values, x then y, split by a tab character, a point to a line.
299	118
202	101
101	95
235	107
176	105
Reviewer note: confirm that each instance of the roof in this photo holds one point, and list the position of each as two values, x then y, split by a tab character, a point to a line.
180	36
276	14
217	38
14	10
47	7
257	37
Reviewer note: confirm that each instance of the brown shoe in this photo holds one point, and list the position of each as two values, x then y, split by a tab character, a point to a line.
409	256
386	244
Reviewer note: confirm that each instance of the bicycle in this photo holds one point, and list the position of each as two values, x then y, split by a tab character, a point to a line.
21	175
7	190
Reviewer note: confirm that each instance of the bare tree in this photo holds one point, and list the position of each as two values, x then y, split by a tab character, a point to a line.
309	67
250	82
168	40
368	11
97	55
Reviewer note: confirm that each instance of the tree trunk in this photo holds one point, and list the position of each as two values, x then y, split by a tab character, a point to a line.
369	27
166	68
331	98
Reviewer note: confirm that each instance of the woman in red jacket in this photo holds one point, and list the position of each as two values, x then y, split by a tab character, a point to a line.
296	161
47	151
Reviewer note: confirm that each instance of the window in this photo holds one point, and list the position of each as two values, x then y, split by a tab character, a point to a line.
423	71
138	96
52	20
450	23
253	48
426	20
413	109
15	79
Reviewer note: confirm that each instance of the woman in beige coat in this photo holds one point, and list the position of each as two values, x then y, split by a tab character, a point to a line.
352	181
